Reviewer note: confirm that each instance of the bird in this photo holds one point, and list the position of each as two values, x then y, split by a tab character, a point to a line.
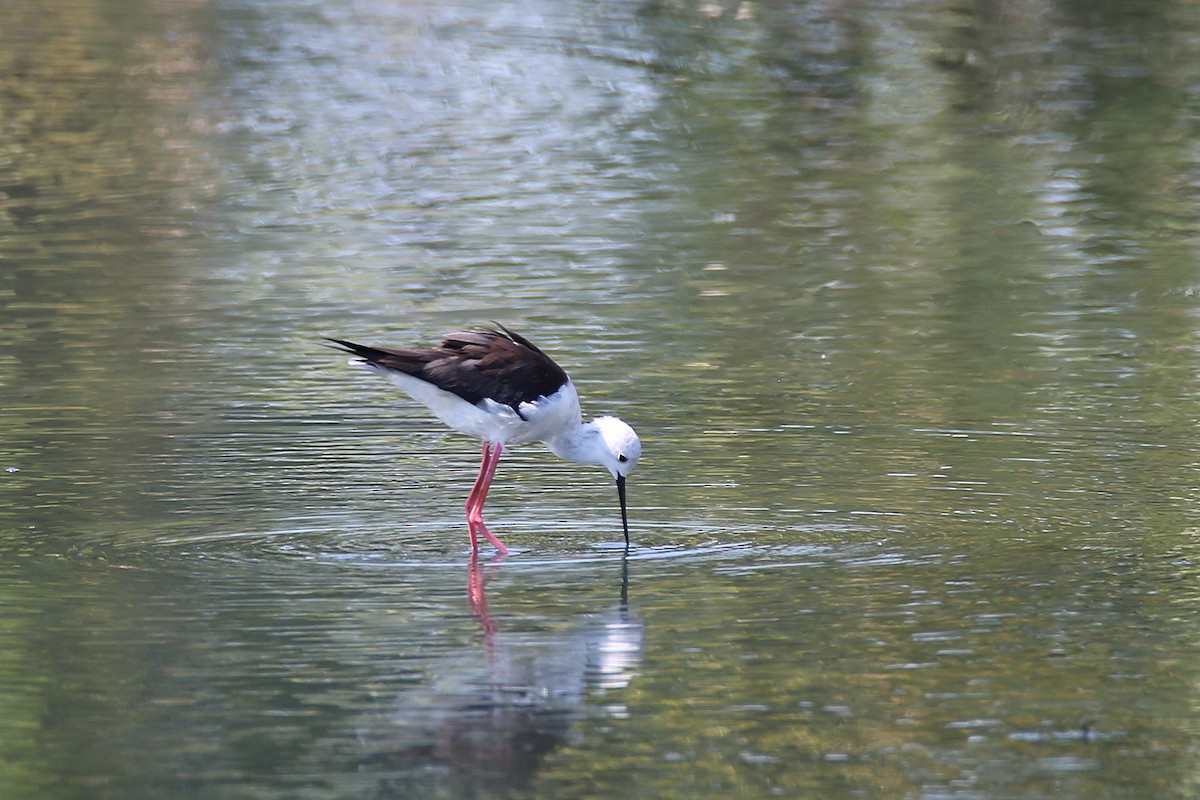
496	385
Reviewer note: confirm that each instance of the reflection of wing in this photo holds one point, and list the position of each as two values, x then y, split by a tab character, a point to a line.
617	654
491	715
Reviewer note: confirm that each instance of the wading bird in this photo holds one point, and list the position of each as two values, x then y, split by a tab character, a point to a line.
494	384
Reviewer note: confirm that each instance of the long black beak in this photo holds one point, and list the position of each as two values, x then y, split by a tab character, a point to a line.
624	513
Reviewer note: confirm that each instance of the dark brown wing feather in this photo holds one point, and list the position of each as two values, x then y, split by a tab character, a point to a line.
478	364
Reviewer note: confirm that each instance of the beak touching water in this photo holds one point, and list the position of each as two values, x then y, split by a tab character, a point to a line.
624	513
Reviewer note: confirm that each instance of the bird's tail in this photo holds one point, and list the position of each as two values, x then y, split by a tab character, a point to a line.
370	355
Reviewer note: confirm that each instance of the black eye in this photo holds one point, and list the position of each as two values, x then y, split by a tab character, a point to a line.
622	458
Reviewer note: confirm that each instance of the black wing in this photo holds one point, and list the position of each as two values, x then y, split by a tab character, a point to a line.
475	365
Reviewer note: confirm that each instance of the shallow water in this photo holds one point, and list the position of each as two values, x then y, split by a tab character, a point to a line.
902	301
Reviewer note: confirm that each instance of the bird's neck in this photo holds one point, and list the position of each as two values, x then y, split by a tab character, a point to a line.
581	444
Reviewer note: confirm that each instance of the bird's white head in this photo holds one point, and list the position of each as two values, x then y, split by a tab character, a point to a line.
619	447
606	441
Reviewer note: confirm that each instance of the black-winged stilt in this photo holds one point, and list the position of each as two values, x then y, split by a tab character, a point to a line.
497	386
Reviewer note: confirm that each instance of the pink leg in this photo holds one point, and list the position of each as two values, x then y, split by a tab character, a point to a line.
475	500
473	496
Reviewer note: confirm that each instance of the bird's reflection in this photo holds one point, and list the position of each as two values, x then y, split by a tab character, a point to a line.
476	594
487	717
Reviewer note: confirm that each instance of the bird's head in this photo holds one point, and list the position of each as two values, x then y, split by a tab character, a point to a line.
620	447
619	451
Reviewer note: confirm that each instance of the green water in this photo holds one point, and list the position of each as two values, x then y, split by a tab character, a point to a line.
902	297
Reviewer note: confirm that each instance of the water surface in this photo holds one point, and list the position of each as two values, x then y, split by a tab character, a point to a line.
902	300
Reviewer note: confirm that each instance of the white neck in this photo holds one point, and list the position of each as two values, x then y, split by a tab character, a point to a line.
581	444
